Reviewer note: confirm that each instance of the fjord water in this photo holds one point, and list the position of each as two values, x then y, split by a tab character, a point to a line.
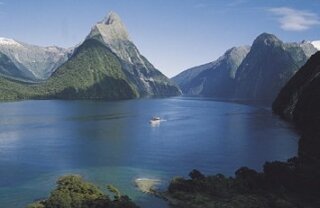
113	143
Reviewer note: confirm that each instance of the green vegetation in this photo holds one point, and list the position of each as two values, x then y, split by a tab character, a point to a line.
280	185
115	191
13	90
93	72
73	192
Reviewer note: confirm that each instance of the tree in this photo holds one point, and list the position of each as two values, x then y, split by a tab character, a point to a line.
196	175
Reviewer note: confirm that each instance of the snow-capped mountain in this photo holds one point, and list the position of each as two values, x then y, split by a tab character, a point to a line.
31	63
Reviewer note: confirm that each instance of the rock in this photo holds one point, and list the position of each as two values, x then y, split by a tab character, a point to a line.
147	185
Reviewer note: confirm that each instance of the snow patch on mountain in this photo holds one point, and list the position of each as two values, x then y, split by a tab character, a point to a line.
6	41
316	44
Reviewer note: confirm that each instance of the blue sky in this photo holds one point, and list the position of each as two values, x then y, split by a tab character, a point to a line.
172	34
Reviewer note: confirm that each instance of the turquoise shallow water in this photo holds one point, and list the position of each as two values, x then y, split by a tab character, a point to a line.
112	142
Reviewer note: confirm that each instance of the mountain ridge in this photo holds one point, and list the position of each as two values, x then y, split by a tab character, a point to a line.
264	69
33	63
215	78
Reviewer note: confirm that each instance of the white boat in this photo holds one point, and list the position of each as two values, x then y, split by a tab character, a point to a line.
155	119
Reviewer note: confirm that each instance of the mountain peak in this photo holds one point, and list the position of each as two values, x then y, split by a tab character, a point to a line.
237	50
267	39
110	29
267	36
112	18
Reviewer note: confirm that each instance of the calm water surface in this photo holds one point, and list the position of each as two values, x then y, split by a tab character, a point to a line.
113	143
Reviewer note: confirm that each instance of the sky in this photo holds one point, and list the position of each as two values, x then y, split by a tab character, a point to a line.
172	34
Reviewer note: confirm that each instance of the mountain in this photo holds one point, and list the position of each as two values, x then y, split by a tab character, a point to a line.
299	99
268	66
107	65
93	72
257	73
9	69
215	79
147	80
184	78
30	63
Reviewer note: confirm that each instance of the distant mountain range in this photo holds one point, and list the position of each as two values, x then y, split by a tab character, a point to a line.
107	65
248	73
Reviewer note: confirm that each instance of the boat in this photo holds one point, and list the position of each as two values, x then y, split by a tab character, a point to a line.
155	119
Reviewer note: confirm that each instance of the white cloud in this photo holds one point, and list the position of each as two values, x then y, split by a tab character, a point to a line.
295	20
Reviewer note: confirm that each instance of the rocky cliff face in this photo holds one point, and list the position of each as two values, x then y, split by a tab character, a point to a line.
30	63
